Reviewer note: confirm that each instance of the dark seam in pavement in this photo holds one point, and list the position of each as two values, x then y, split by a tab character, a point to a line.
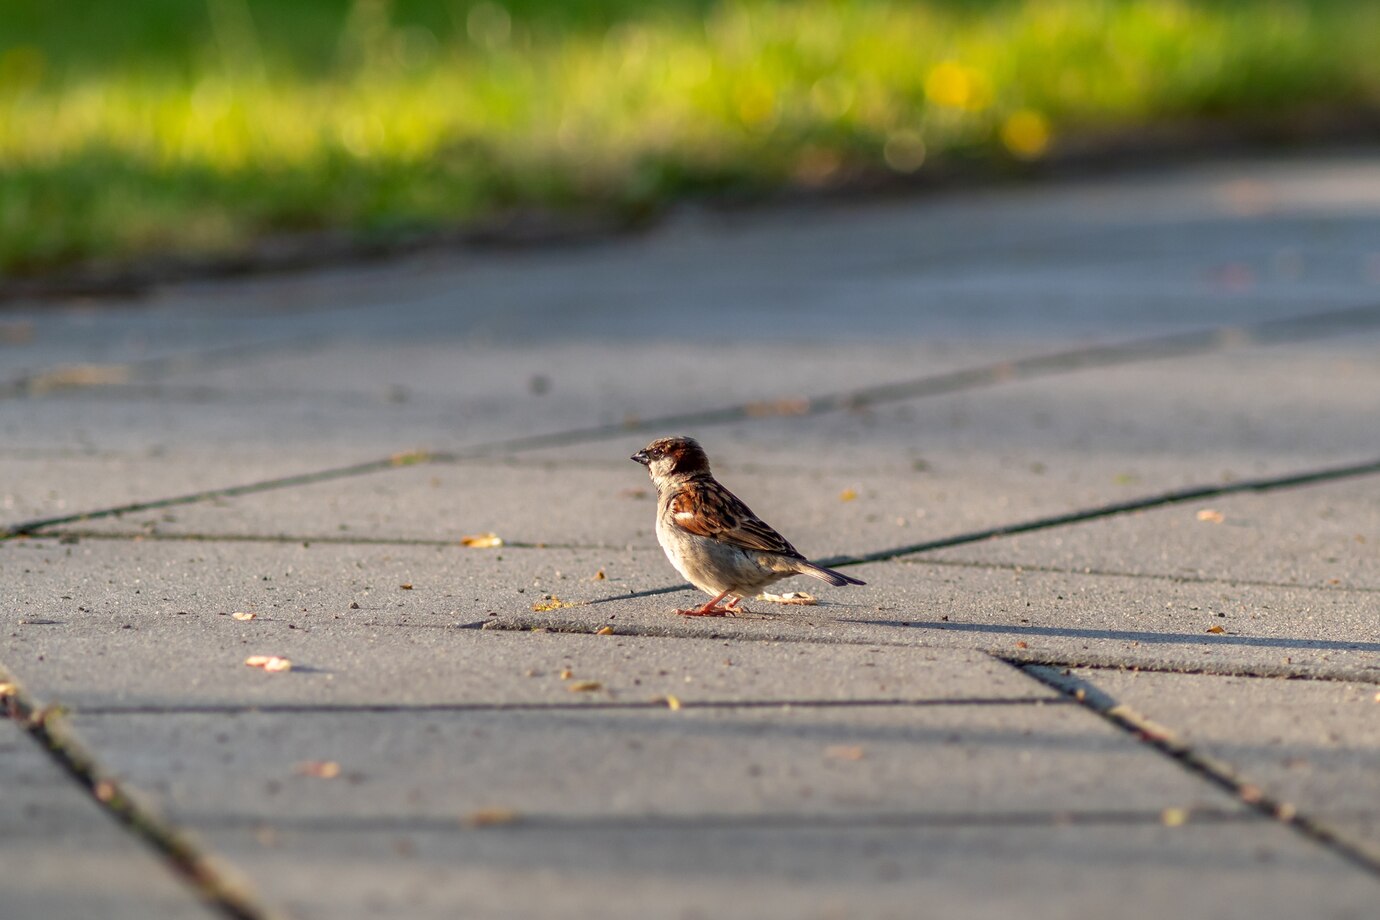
72	535
1204	638
1095	662
1021	567
1218	773
1172	497
662	703
687	630
188	863
69	534
1175	345
502	822
30	528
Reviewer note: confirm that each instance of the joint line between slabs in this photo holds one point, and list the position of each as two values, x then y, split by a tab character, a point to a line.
595	706
1215	772
44	726
1163	499
519	822
1176	345
1256	671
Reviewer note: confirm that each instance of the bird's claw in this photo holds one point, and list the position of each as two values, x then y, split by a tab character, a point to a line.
707	612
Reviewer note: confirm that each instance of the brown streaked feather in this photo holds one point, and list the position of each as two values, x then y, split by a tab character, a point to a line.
721	515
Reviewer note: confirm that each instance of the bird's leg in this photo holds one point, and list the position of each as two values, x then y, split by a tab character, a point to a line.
709	609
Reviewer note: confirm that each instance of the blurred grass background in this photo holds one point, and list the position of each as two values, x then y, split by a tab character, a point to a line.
197	126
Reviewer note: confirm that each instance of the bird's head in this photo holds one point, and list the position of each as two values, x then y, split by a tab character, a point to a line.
667	457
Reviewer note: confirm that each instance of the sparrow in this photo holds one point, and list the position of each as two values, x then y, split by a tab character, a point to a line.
711	537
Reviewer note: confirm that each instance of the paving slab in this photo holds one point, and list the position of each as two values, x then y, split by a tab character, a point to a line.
129	587
1314	745
909	765
821	873
38	486
1319	535
770	799
64	858
577	763
1176	248
918	471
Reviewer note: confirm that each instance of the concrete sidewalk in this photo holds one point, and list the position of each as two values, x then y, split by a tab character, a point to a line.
1106	453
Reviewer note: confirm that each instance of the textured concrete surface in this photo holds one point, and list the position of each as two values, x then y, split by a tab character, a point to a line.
66	860
1316	745
455	736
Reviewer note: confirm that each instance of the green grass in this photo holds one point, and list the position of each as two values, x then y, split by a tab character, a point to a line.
182	126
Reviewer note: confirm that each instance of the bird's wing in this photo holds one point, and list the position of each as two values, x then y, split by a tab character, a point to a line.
721	515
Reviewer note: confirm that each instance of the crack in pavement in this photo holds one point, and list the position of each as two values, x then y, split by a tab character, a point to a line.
1290	329
1216	772
45	727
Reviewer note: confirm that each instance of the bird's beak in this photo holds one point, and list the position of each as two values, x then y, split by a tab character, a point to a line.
641	457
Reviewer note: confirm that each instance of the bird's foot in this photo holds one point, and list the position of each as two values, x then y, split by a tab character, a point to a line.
707	611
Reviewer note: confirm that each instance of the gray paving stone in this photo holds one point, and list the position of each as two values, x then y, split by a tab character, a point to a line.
1314	745
403	767
66	860
1317	535
835	799
1066	616
43	486
448	351
817	872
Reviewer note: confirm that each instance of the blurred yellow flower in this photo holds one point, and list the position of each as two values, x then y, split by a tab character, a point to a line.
1025	133
955	86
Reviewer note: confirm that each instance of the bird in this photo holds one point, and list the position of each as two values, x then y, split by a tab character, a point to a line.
711	537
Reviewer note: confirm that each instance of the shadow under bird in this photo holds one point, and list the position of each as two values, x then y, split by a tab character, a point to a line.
711	537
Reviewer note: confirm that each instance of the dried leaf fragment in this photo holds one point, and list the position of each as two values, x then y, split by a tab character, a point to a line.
672	702
270	663
482	540
605	631
844	752
848	495
799	598
1211	516
490	817
321	769
406	587
1216	630
599	575
585	686
767	408
566	674
242	616
551	603
1174	817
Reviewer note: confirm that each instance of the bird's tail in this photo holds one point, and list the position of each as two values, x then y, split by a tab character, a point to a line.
836	579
